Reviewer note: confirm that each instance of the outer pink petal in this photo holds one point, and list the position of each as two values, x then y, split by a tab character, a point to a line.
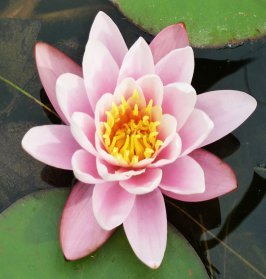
219	178
80	234
111	204
105	30
168	154
72	96
83	130
152	89
195	131
227	109
170	38
146	228
179	100
100	71
177	66
51	144
51	63
143	183
137	62
84	167
184	176
113	173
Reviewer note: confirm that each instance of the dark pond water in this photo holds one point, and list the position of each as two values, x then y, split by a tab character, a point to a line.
228	233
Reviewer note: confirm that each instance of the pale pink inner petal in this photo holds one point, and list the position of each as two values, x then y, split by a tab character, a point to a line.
105	30
168	154
176	66
143	183
83	130
53	145
103	104
84	167
184	176
51	63
137	62
170	38
111	204
72	96
220	179
126	88
146	228
227	109
80	233
113	173
152	89
195	131
100	71
179	100
167	129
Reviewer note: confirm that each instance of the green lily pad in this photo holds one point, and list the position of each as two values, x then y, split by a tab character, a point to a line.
30	247
209	22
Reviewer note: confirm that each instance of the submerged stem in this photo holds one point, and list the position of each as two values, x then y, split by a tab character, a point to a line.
28	95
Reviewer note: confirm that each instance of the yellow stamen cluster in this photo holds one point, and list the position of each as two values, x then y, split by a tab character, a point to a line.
130	131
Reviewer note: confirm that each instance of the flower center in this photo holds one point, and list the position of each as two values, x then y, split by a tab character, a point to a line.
131	129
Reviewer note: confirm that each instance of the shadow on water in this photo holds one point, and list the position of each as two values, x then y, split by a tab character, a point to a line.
252	198
208	71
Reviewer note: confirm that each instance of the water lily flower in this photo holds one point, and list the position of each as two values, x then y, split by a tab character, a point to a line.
134	129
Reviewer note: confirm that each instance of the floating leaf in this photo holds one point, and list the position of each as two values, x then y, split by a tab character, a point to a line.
30	247
209	22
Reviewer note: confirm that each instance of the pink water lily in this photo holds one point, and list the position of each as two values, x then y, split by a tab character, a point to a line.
134	128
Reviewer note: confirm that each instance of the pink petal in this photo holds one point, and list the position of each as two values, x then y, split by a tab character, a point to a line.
100	71
51	63
103	104
111	204
146	228
137	62
84	167
179	100
80	233
195	131
143	183
167	129
168	154
51	144
152	89
220	179
176	66
83	130
72	96
184	176
170	38
113	173
227	109
105	30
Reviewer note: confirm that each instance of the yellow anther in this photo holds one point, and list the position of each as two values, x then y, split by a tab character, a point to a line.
110	119
115	109
148	152
135	94
135	159
158	144
148	108
130	131
136	110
